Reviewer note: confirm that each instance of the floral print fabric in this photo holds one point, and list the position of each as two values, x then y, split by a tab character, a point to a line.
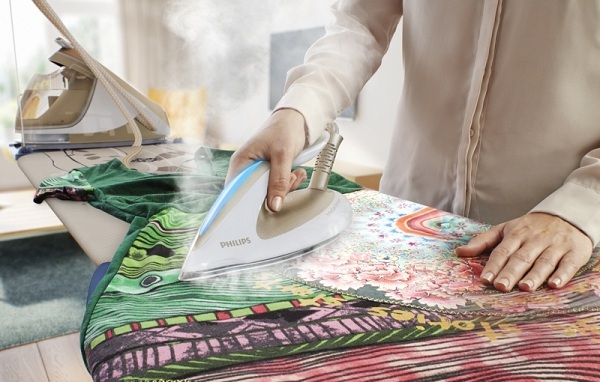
397	251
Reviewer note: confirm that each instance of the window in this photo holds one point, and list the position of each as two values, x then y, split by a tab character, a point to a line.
95	24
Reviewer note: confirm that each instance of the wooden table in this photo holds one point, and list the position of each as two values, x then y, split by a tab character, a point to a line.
20	217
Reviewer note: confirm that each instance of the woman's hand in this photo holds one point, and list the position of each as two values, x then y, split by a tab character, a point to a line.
529	250
279	141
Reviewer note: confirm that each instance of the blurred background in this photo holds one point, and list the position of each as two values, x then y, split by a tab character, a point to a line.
215	66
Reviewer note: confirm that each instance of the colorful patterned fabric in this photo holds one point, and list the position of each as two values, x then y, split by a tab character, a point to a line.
401	252
557	348
386	301
146	324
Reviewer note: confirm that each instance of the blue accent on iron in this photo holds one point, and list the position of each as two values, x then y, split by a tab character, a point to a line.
225	195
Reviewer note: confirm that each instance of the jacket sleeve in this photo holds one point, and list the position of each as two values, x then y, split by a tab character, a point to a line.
578	200
338	65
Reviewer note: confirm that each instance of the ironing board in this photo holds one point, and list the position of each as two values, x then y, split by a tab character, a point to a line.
387	301
98	233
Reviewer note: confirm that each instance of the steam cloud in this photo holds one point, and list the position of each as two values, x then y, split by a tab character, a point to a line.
226	43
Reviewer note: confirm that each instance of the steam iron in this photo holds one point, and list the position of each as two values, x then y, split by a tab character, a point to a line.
239	232
70	108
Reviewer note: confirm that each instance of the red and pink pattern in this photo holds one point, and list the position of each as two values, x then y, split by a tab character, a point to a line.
402	252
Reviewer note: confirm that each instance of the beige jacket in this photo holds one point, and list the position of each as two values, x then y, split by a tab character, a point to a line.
500	111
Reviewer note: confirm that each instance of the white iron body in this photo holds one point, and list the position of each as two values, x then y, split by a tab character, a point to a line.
70	108
239	232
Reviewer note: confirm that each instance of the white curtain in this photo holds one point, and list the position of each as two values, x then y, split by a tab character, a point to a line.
152	53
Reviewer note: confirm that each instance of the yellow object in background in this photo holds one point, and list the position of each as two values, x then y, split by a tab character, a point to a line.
186	111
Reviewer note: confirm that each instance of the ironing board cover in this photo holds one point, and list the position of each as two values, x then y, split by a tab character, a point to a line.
387	301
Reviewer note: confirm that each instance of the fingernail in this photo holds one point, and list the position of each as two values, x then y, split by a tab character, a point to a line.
556	282
277	203
503	283
489	276
528	283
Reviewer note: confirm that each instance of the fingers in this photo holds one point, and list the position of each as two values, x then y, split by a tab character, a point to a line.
237	164
280	180
481	243
568	267
528	271
277	196
530	251
507	264
279	141
540	270
298	176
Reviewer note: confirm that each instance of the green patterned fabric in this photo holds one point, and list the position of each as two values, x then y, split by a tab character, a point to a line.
386	299
152	203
